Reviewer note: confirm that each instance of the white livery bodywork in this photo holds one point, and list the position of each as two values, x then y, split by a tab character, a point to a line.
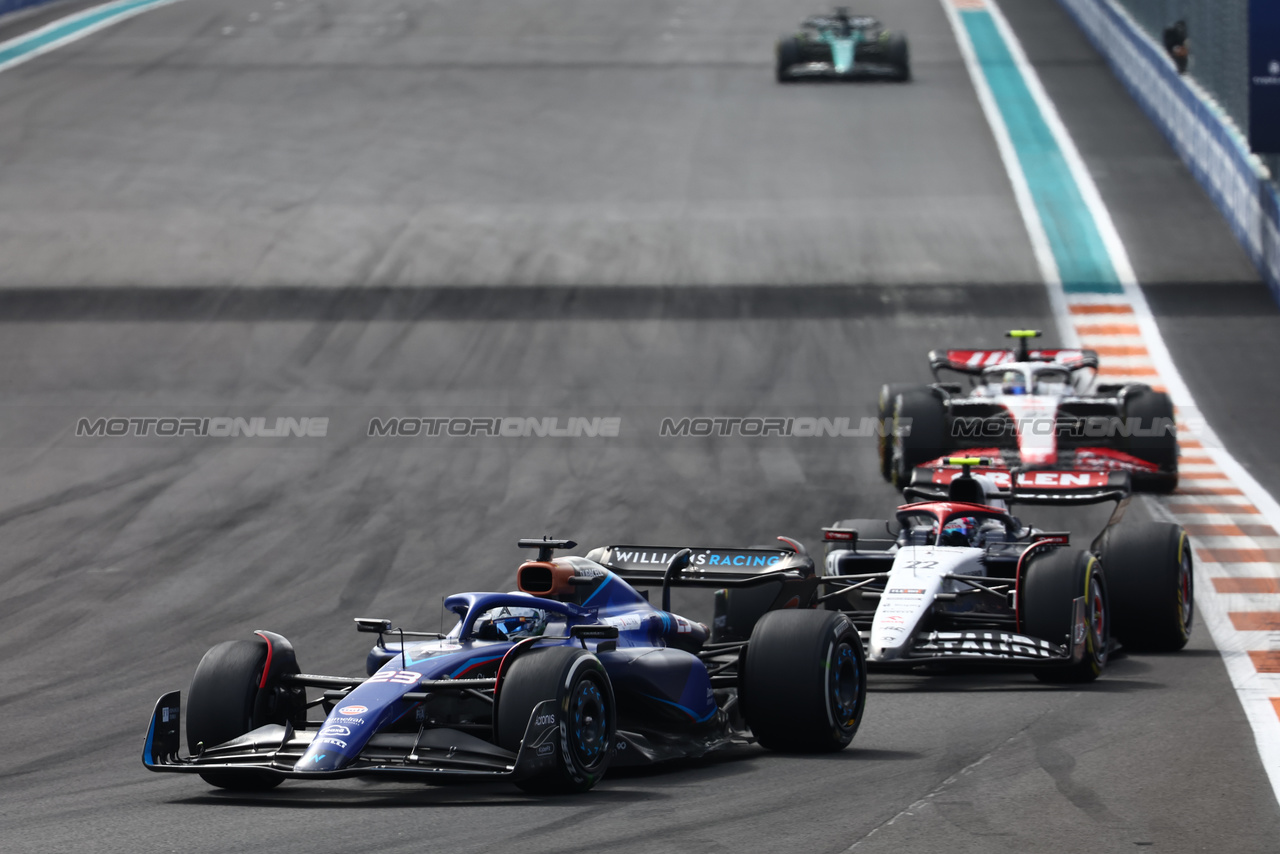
918	575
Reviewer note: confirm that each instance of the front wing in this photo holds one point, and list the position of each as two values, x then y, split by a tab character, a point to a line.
859	70
434	755
992	646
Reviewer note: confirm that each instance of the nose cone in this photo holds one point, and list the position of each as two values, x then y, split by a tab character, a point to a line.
351	724
321	757
887	645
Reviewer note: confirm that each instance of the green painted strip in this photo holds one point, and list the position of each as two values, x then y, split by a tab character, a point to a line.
1083	262
35	41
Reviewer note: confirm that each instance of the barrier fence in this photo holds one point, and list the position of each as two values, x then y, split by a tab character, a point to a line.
1188	109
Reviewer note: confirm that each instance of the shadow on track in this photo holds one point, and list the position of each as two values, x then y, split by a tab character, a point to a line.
985	683
821	301
621	785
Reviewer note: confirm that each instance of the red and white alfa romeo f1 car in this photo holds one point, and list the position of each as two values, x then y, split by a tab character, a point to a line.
1030	409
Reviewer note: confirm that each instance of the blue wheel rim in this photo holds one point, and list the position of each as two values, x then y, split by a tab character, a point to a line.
846	686
588	723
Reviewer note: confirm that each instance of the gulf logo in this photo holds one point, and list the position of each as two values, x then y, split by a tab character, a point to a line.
352	710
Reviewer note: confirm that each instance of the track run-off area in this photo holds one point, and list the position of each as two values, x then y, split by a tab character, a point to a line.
595	209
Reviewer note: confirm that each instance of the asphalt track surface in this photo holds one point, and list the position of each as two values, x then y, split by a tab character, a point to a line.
658	230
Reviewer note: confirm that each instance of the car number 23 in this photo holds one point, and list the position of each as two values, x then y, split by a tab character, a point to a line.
397	677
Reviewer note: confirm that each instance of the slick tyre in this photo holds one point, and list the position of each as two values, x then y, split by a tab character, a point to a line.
900	56
576	680
919	432
789	54
1156	440
1052	582
884	414
804	681
1150	578
222	704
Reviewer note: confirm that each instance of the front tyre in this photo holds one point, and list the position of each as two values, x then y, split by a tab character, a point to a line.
1155	439
788	54
900	56
884	414
1150	573
804	681
223	703
919	432
1051	584
577	681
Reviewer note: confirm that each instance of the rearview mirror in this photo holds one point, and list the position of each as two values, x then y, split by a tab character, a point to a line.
373	625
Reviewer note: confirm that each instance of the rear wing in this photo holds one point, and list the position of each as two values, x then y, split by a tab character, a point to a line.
1047	487
848	539
976	361
649	566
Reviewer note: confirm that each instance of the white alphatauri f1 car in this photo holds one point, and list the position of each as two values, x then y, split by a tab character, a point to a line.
957	578
1028	409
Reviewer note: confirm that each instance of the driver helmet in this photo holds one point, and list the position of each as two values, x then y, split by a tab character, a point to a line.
959	532
843	23
510	623
1014	382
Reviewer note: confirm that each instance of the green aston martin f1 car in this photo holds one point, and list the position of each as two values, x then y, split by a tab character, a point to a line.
843	47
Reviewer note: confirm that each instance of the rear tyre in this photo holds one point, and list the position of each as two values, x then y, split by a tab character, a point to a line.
1158	442
919	432
804	681
222	704
788	53
1151	581
1049	587
577	681
899	55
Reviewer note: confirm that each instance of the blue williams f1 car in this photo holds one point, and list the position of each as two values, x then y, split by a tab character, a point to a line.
545	687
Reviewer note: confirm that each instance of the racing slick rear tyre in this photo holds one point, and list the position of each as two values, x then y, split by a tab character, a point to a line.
223	703
577	681
788	55
1050	585
919	432
884	413
1150	577
899	55
1154	413
804	681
